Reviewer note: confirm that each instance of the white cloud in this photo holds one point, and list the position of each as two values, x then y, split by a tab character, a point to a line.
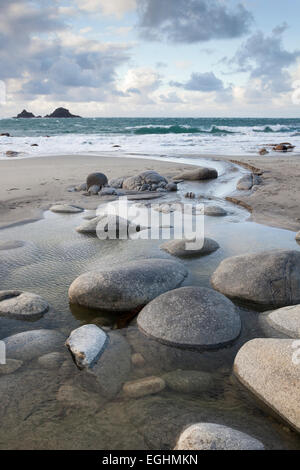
107	7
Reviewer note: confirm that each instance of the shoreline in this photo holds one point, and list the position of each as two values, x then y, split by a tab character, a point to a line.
39	182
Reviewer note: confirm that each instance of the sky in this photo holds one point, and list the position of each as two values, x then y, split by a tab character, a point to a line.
151	58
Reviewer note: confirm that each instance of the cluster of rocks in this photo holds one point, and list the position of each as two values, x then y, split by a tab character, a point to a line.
283	147
57	114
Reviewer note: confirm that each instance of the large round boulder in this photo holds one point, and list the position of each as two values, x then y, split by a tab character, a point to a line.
270	368
286	320
144	181
22	305
127	287
31	344
210	436
187	248
191	317
200	173
96	179
270	278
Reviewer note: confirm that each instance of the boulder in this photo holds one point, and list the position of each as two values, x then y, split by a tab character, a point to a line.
210	436
214	211
198	174
94	190
181	248
269	368
109	226
245	183
86	344
116	183
66	209
188	381
269	279
90	226
113	367
144	181
286	320
32	344
61	113
22	305
51	361
191	317
96	179
142	387
126	287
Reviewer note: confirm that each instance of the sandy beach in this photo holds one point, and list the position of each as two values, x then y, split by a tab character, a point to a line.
31	185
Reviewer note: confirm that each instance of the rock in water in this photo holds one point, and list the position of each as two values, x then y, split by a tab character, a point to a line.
142	387
127	287
286	320
191	317
22	305
188	381
183	248
96	179
61	113
245	183
270	278
214	211
25	115
209	436
65	209
144	181
200	173
270	369
86	345
11	366
31	344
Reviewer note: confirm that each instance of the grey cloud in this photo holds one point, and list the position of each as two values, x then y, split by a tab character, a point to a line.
266	58
191	21
205	82
171	97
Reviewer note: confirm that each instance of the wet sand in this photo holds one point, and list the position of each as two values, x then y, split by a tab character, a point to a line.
29	186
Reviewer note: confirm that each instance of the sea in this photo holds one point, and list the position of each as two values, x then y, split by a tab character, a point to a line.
146	136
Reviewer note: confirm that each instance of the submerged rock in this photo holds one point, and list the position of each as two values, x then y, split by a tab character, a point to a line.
286	320
52	360
270	278
269	368
142	387
127	287
183	248
66	209
214	211
32	344
191	317
245	183
86	345
22	305
210	436
11	366
200	173
96	179
144	181
188	381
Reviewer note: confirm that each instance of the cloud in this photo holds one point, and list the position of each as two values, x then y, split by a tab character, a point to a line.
191	21
58	64
140	83
205	82
107	7
171	97
265	57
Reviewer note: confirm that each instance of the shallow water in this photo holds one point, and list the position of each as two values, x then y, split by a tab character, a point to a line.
53	256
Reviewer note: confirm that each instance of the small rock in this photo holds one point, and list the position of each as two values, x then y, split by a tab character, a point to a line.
286	320
209	436
214	211
263	151
86	344
81	187
94	190
11	153
142	387
11	366
51	361
298	236
190	195
66	209
138	360
22	305
5	134
74	397
188	248
245	183
200	173
116	183
171	187
32	344
188	381
96	179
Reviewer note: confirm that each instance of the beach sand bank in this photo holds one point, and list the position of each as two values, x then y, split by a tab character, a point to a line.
29	186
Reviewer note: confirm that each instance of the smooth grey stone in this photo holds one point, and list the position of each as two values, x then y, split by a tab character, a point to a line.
143	387
191	317
86	344
52	360
96	179
116	183
94	190
269	278
128	286
11	366
210	436
270	368
65	209
214	211
245	183
180	247
200	173
188	381
22	305
286	320
32	344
